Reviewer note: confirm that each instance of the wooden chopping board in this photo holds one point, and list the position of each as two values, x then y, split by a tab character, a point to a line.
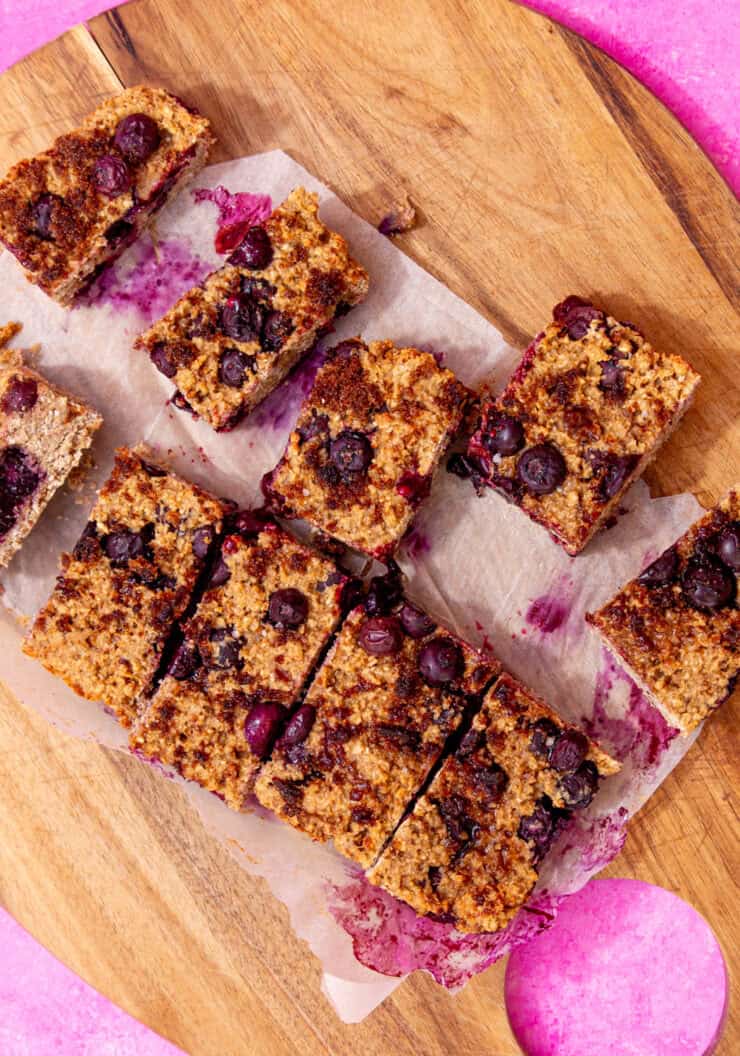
540	168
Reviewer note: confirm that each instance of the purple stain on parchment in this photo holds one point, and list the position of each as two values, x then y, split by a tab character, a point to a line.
598	840
158	277
235	208
641	734
282	406
416	543
550	612
389	937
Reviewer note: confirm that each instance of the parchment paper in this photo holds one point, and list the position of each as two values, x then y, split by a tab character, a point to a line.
477	563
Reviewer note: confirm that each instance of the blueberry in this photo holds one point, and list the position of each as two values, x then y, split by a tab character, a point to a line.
228	649
728	546
503	434
568	751
617	470
162	359
298	727
544	734
708	585
492	780
579	788
663	570
254	252
537	828
233	367
575	315
416	623
612	379
42	213
220	574
352	594
137	137
261	726
287	609
276	330
384	593
184	663
203	540
441	661
471	742
380	636
237	319
20	395
351	453
122	546
541	469
111	175
19	476
317	425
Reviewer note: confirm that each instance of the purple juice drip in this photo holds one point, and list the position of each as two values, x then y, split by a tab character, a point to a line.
416	543
389	937
550	612
234	208
158	277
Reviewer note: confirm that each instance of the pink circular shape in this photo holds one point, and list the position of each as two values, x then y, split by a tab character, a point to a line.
626	969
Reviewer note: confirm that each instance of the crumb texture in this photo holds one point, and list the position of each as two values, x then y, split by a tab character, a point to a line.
677	625
367	443
377	726
600	400
470	849
247	652
229	342
70	209
127	581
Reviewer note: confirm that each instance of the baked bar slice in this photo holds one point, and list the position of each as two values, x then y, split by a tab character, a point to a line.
367	443
126	583
44	432
229	342
247	652
469	851
676	627
374	722
73	208
586	410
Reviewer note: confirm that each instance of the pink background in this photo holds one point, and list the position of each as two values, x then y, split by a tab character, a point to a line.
685	51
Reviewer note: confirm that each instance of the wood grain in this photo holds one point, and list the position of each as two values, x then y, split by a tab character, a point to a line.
540	168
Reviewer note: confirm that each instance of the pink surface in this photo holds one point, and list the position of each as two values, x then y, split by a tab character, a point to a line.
46	1010
627	969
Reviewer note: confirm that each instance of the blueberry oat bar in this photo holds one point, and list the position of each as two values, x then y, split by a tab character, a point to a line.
126	583
229	342
44	433
375	720
270	609
586	410
676	627
367	442
68	211
469	851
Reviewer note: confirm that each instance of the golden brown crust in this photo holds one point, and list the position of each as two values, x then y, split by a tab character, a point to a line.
126	583
469	850
378	729
685	658
310	275
597	391
86	227
406	408
236	659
